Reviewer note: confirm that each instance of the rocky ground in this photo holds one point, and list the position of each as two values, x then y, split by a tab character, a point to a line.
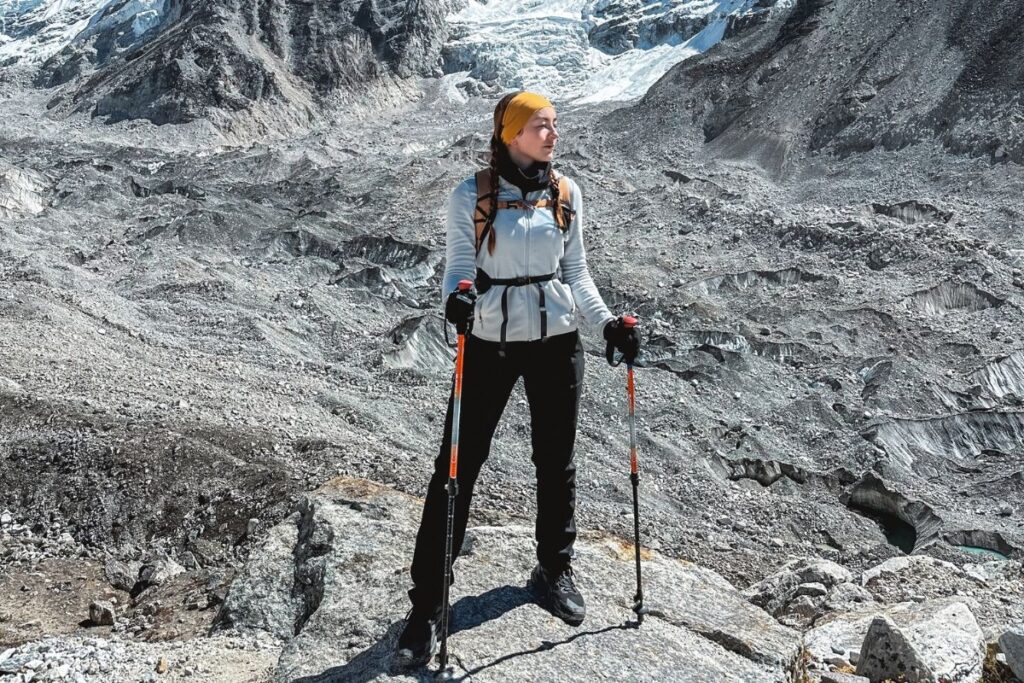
201	337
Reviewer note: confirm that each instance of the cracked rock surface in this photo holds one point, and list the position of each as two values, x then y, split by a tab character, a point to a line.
699	623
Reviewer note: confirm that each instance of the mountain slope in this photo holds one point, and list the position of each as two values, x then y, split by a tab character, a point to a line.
848	76
209	59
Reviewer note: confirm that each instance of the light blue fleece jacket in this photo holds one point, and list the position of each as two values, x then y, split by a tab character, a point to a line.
528	242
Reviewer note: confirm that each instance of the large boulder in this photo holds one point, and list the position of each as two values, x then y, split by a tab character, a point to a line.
802	589
904	564
921	641
335	574
1012	645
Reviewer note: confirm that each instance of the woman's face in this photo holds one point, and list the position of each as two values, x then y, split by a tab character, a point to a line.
538	137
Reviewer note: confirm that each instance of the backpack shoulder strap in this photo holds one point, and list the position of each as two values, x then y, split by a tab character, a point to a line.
483	214
563	212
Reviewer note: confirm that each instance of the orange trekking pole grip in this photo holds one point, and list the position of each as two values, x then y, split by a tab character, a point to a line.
444	672
634	476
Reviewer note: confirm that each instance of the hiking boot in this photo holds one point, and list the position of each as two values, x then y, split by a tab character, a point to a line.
559	594
418	641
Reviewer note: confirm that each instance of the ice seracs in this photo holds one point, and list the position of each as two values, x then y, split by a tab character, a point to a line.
584	50
32	31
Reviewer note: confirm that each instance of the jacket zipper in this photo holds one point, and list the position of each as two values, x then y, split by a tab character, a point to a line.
529	229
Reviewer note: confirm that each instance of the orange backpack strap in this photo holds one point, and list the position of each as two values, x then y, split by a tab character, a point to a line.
486	206
564	213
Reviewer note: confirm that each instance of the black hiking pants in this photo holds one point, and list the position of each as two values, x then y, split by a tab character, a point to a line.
552	373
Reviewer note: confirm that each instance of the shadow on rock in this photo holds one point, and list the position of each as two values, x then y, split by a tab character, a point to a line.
476	610
543	647
467	613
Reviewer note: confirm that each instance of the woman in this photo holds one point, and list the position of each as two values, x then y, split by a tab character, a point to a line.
531	278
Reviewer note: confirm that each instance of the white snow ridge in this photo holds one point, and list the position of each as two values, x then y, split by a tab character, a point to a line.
583	50
34	30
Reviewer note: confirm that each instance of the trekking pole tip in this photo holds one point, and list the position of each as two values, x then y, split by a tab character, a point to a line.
445	674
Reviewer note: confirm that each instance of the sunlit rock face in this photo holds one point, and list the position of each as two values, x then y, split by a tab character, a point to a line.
801	85
175	61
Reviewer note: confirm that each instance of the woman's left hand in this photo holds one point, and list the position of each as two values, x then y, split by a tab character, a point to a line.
625	339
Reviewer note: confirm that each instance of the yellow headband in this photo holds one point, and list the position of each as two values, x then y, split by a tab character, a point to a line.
518	111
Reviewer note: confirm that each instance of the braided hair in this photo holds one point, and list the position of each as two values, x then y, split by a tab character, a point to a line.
496	146
493	190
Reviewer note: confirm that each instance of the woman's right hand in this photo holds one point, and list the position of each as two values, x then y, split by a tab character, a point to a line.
458	309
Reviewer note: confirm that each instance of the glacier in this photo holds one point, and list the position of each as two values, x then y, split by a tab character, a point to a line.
143	15
32	31
583	51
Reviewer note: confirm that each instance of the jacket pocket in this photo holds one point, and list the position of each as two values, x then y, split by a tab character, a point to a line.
488	308
563	301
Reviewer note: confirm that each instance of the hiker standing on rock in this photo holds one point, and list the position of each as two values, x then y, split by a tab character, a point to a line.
515	229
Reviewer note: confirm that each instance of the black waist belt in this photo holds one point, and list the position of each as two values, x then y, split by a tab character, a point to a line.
485	281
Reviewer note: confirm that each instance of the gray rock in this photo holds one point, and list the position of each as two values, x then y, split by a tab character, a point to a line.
887	654
1012	645
812	589
159	571
928	644
260	596
848	630
775	592
325	572
847	596
101	613
907	563
12	665
836	677
799	612
398	40
120	575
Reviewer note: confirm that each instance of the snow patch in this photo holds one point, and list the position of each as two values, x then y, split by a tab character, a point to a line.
143	15
629	75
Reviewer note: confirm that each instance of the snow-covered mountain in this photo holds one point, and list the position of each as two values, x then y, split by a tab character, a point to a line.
184	60
34	30
586	50
582	50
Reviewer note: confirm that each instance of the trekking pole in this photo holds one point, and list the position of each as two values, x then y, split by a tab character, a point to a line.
634	476
444	672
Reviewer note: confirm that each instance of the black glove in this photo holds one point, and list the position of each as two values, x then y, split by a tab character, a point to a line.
458	309
624	339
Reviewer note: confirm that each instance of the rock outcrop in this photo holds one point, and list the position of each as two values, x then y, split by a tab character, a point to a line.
804	589
331	582
798	86
921	641
212	59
